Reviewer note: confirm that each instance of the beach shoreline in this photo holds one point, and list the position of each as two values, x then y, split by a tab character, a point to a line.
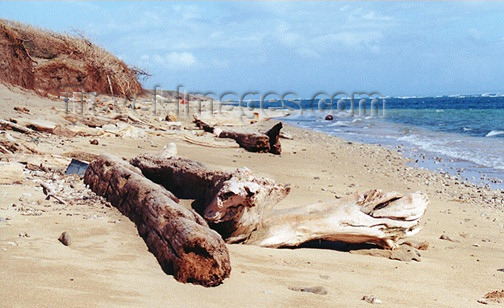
108	263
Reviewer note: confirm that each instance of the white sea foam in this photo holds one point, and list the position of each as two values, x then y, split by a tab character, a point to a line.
492	95
339	123
495	133
461	149
466	129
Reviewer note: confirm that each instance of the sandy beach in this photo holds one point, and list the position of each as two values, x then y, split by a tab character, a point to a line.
108	263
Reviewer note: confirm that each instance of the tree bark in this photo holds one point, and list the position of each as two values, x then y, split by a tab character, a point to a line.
233	203
180	239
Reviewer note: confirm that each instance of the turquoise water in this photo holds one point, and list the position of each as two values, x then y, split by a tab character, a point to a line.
461	135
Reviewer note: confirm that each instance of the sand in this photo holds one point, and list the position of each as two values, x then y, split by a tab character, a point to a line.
108	264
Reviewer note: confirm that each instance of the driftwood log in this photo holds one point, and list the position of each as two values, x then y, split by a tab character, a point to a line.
237	205
179	238
373	217
233	203
252	142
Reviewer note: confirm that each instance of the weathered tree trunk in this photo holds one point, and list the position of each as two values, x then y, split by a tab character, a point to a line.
234	203
360	218
252	142
179	238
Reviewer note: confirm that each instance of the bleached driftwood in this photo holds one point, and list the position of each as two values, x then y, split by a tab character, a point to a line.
179	238
373	217
237	205
11	125
38	125
252	142
234	203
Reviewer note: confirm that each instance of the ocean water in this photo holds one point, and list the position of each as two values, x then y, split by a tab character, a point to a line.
462	136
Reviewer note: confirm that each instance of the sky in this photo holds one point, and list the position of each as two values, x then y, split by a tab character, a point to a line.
393	48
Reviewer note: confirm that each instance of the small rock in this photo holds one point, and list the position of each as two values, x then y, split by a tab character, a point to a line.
65	239
371	299
24	234
500	270
94	141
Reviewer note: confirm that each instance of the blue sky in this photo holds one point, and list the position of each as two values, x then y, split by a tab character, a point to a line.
394	48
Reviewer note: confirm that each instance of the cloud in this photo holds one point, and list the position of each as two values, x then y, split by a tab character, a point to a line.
172	60
352	40
181	61
308	53
185	59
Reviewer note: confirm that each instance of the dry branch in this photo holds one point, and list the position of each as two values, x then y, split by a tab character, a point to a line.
49	192
178	237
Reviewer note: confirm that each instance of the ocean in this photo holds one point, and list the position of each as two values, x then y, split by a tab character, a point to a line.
458	135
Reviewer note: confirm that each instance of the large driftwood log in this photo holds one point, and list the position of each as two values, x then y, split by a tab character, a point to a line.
252	142
234	203
372	217
179	238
